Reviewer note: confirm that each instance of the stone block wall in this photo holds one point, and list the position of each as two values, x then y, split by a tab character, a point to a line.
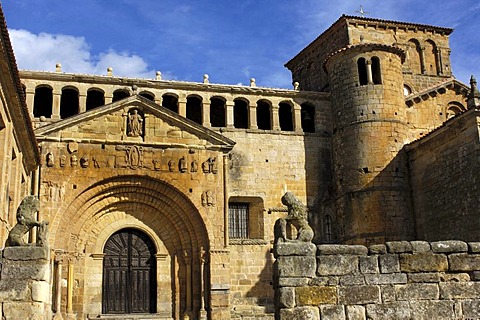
396	280
25	283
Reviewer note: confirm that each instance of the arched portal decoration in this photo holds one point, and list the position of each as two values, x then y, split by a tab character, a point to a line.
158	210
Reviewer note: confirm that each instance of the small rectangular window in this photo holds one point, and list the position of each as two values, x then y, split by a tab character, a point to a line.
238	220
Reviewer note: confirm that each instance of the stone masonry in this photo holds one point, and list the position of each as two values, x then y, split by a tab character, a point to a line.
395	280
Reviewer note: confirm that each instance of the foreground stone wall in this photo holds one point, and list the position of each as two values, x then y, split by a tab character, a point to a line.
25	283
396	280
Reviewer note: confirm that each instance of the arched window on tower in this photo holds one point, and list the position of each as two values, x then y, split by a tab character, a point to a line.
286	116
264	115
95	98
68	103
42	102
431	57
362	71
240	114
413	56
308	117
194	108
217	112
120	94
170	102
376	71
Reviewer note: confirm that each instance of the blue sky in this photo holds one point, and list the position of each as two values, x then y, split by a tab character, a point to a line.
232	41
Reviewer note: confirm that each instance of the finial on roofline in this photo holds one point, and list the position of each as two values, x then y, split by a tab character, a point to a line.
362	12
473	101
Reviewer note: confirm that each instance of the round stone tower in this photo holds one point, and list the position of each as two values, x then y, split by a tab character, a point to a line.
370	129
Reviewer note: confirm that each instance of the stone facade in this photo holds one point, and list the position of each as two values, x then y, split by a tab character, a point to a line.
169	190
396	280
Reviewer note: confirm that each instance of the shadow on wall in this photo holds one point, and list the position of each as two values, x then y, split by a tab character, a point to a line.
262	291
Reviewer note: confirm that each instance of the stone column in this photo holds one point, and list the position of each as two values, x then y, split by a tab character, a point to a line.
82	102
275	118
369	72
422	60
252	116
229	114
70	283
57	96
225	200
206	114
58	288
187	259
182	107
30	99
297	118
203	282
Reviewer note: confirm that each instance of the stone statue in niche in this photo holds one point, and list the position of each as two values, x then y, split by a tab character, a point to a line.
194	166
84	161
171	165
50	161
73	160
297	216
208	198
157	164
206	166
182	165
25	222
63	160
135	124
95	162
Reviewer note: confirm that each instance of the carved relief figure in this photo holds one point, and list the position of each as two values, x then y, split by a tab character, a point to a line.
73	160
50	161
134	157
206	167
95	162
84	161
157	164
297	216
25	221
194	166
208	198
171	165
213	165
135	124
182	165
63	160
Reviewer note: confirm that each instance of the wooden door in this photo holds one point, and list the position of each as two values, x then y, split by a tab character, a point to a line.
129	273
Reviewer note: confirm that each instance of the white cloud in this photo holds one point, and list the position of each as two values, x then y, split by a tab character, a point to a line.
43	51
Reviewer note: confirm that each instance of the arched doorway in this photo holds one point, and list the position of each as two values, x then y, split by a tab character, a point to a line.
129	273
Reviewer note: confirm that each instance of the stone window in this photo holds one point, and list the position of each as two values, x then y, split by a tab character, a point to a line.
240	114
431	57
308	117
42	102
413	56
245	218
148	95
120	94
217	112
238	220
362	71
95	98
264	115
170	102
286	116
407	90
68	103
194	109
376	72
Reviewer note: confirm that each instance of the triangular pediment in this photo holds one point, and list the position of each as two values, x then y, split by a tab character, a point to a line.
134	120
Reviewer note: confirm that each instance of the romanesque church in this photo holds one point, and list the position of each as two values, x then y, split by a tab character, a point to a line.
161	195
